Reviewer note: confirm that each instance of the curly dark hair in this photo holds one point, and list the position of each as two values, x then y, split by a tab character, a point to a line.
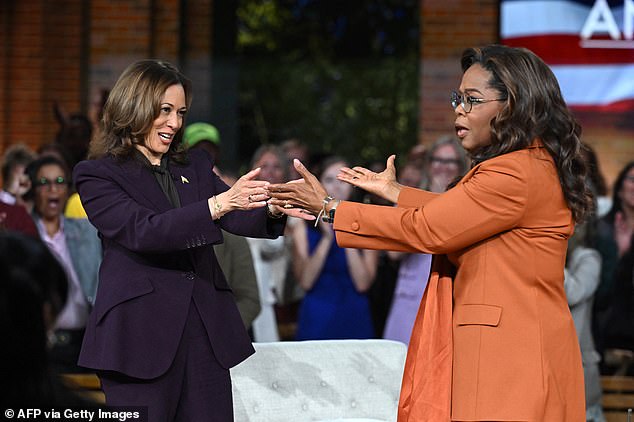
133	105
534	109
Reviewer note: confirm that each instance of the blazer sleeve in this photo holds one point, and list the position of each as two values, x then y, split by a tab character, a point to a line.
414	198
491	201
120	217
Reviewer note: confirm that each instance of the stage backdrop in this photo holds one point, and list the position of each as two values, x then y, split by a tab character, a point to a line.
588	44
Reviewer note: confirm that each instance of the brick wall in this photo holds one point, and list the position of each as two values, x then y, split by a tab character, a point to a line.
69	50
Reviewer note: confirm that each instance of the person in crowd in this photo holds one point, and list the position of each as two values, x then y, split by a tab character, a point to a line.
74	134
165	328
598	184
233	254
335	279
494	339
203	135
74	242
16	218
271	257
444	163
74	208
618	333
15	182
33	291
614	233
295	149
581	278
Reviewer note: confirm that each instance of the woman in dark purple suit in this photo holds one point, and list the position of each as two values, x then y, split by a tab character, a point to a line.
165	329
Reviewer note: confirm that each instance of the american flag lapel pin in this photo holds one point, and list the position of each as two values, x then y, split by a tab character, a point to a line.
184	179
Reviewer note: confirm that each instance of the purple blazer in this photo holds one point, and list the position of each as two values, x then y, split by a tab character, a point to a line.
156	259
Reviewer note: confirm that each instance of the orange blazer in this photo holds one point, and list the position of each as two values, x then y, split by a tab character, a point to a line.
494	339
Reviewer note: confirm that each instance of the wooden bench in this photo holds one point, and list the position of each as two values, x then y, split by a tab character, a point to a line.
87	385
618	397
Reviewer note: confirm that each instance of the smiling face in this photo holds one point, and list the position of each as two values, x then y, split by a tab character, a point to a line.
166	125
51	191
474	128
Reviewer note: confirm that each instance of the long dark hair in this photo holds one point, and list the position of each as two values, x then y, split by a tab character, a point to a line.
133	105
534	109
617	204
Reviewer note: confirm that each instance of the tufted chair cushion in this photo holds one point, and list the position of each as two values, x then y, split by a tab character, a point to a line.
326	380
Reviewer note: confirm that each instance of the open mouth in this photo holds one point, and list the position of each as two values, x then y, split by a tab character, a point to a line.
461	131
166	137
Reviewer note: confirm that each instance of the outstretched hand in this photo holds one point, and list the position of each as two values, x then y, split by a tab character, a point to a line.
246	193
305	194
382	184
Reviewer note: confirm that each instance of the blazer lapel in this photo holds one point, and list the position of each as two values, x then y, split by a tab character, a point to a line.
145	185
185	182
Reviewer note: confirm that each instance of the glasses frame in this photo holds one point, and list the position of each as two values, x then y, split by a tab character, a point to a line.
59	181
467	101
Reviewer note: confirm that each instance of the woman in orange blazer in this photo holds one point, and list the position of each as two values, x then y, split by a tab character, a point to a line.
493	339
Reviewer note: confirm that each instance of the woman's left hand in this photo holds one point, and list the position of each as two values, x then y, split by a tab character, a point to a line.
298	197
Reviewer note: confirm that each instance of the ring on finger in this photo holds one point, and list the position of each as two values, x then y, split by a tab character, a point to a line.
287	205
250	199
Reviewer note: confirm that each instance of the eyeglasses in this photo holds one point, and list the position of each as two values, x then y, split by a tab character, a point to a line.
59	181
467	101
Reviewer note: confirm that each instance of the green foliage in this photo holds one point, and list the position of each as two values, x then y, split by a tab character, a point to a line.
302	77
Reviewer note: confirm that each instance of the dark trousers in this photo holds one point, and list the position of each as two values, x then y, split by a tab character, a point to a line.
194	388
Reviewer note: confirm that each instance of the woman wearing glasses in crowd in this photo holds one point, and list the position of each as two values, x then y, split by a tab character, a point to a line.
494	339
75	244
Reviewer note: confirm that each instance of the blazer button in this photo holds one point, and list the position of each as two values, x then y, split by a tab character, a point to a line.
355	226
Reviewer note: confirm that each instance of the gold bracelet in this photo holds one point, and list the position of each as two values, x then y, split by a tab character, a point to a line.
217	206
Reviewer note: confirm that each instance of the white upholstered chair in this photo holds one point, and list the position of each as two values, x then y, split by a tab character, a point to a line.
329	380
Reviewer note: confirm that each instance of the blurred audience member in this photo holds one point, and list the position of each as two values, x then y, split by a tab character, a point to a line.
581	278
73	208
445	162
233	255
205	136
73	135
335	279
75	244
15	182
33	291
595	176
271	257
417	155
16	218
294	148
614	234
618	331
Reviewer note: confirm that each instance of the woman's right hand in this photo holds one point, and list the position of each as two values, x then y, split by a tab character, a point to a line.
382	184
245	194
